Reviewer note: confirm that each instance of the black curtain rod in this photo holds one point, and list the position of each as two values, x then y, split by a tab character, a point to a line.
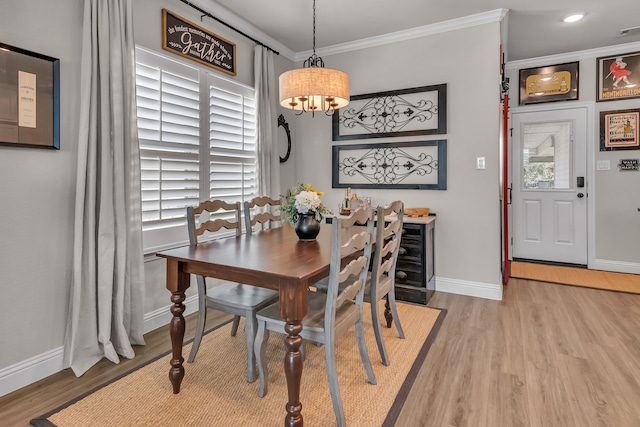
205	13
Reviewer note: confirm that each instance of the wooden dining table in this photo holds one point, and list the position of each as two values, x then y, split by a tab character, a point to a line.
274	259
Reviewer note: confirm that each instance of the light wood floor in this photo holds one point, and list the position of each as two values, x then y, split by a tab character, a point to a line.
547	355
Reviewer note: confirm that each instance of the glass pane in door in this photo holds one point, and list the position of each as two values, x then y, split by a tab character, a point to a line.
546	156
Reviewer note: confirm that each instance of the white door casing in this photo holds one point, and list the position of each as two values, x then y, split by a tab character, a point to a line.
549	208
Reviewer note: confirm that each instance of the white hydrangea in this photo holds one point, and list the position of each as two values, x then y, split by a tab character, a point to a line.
307	201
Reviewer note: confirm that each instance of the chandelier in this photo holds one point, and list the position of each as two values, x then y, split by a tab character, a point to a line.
313	87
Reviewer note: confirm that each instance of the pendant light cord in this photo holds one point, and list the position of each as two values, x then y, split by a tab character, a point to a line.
314	61
314	27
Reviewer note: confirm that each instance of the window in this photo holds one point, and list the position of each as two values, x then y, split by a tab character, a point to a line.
546	156
197	135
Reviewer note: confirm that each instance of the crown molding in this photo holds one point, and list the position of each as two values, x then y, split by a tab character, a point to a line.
496	15
573	56
216	9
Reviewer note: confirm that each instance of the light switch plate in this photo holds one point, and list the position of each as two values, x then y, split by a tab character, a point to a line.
603	165
480	163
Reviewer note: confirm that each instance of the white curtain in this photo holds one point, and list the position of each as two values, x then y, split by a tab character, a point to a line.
267	123
107	292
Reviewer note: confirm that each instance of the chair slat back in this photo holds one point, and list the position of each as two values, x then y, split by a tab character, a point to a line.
350	292
212	216
387	240
264	211
354	233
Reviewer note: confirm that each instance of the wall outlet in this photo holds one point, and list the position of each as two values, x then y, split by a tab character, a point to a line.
603	165
480	163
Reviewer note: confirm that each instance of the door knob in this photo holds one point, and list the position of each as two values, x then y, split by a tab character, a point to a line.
580	195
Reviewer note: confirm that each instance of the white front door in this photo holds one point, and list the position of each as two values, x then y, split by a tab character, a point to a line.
549	205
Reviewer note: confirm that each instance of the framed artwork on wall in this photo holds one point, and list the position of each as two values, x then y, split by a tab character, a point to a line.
618	77
619	130
549	84
198	44
420	165
29	98
406	112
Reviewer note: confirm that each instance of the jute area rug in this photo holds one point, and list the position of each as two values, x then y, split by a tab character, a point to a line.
215	392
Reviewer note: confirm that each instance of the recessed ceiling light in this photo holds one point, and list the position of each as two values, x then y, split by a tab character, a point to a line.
573	17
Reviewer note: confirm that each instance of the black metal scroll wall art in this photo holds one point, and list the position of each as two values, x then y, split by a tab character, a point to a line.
406	165
406	112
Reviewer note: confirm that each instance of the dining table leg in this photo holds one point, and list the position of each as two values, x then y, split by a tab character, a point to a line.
176	330
177	283
293	308
293	371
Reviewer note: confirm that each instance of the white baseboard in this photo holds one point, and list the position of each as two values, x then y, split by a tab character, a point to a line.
31	370
617	266
472	289
39	367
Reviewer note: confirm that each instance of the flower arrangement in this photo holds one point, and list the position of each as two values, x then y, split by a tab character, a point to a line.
304	199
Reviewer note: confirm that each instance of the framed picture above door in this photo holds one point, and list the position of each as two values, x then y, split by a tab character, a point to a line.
618	77
550	83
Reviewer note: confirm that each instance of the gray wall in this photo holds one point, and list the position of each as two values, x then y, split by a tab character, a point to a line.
468	212
614	219
37	192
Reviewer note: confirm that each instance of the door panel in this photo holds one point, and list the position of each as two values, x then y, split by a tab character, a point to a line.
563	231
549	212
533	221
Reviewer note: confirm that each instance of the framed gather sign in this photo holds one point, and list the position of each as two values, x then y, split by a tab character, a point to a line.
197	44
619	130
550	83
29	98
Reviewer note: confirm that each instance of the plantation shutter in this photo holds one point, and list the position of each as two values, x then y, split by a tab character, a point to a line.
232	144
181	165
168	96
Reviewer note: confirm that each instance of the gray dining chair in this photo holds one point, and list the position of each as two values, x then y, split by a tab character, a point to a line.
331	314
263	212
381	280
207	220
